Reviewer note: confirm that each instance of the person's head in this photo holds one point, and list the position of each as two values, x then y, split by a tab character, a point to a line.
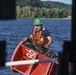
38	23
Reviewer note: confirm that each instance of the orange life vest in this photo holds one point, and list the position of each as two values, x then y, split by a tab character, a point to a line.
38	38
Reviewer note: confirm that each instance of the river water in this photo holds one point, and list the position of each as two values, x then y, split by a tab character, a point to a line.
14	30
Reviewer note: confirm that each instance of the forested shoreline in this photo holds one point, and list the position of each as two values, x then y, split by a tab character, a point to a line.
44	10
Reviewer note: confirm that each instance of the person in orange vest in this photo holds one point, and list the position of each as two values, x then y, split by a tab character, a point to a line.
40	39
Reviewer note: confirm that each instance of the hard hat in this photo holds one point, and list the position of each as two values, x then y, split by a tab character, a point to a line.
37	22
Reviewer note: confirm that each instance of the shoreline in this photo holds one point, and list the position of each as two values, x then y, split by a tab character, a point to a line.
49	18
58	18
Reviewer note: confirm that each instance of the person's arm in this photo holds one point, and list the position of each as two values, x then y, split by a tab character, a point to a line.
27	38
49	42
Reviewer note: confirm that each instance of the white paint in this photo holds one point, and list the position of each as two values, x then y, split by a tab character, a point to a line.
31	53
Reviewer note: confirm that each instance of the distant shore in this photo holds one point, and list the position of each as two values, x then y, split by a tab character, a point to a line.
57	18
49	18
65	18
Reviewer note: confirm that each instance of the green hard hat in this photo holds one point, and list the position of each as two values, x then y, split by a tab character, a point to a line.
37	22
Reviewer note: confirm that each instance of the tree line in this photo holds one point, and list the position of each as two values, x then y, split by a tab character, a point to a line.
42	9
32	12
41	4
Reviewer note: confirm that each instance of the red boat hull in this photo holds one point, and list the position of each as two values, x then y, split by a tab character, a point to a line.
24	53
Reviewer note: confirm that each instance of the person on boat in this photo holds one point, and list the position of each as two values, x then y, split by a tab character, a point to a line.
40	39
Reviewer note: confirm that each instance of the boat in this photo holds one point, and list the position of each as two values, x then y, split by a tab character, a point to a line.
22	52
